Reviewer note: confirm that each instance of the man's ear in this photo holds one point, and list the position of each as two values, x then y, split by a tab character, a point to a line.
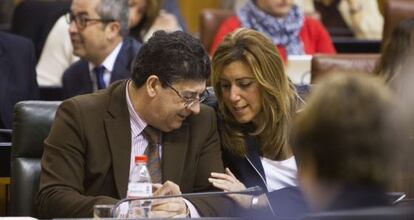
113	30
153	85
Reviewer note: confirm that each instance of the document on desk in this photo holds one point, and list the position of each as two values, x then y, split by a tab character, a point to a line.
298	68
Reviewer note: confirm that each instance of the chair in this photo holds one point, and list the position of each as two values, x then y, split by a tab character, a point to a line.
210	21
394	12
32	122
326	64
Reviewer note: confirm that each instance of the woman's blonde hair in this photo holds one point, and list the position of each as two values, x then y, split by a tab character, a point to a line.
277	92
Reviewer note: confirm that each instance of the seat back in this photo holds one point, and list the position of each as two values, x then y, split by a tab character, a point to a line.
210	21
326	64
31	125
394	12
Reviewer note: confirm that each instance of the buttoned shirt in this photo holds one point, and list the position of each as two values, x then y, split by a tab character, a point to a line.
108	63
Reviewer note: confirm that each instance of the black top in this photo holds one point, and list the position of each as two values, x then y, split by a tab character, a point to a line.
287	202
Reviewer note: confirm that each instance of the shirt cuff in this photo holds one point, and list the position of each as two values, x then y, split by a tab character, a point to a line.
193	211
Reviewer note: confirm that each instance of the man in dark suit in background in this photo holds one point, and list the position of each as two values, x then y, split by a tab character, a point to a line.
17	75
89	152
98	31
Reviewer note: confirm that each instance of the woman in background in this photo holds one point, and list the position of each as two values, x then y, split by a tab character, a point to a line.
256	103
358	18
282	21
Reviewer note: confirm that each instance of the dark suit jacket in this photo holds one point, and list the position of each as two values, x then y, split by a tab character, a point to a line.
35	18
77	80
17	75
286	203
86	156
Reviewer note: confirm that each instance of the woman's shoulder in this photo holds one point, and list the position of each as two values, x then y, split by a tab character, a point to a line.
312	22
232	21
313	28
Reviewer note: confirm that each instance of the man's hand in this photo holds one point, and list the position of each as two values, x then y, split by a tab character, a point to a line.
167	208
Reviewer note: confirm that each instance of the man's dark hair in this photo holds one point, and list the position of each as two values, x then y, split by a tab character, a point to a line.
173	57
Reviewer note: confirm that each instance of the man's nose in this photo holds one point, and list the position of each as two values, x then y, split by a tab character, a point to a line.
194	107
72	27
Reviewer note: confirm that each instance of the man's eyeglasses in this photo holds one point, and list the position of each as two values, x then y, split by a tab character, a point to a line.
190	101
81	21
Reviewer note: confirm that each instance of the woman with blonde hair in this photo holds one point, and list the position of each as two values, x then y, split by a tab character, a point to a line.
256	103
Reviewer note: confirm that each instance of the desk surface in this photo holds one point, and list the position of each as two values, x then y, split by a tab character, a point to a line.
4	180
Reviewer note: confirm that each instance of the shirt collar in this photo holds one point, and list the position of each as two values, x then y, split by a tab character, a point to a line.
109	61
137	122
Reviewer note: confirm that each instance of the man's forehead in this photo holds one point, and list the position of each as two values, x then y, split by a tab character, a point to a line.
191	85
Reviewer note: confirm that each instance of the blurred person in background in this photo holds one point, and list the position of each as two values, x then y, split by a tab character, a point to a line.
145	17
395	66
17	76
256	104
396	50
305	5
6	12
346	142
353	18
99	34
282	21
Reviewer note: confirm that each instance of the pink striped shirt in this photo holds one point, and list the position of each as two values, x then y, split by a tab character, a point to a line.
138	142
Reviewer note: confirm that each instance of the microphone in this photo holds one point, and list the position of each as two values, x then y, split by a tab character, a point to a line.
255	191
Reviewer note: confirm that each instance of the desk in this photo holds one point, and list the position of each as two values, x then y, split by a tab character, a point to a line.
4	195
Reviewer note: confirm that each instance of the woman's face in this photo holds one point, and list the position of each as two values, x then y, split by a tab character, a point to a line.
277	8
241	92
136	11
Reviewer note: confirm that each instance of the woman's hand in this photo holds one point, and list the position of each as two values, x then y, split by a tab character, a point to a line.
228	182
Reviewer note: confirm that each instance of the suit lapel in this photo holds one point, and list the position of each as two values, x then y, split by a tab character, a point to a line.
122	62
174	150
118	131
86	81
